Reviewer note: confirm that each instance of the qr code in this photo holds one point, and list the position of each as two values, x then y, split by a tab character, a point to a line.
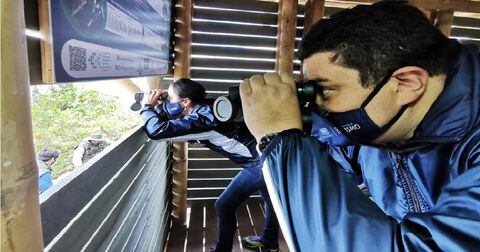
78	58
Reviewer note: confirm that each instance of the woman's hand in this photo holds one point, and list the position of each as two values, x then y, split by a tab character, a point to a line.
152	97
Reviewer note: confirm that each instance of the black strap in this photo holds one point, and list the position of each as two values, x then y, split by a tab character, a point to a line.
395	118
377	89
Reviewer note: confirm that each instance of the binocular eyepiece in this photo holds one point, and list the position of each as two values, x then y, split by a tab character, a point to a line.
229	108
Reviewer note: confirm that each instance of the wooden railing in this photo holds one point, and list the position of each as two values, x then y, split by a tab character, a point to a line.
118	201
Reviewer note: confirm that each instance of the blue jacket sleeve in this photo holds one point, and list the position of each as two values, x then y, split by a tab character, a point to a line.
45	181
320	208
182	129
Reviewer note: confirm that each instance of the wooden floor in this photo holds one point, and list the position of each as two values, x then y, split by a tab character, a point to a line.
201	233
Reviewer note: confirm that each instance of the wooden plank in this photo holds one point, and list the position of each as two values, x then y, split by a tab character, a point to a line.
240	5
212	164
466	14
204	193
464	21
225	74
177	236
195	228
235	16
245	227
95	222
234	28
204	154
211	225
232	52
162	235
195	145
210	174
152	232
233	63
46	42
218	86
208	183
64	200
221	38
257	215
460	32
281	240
137	209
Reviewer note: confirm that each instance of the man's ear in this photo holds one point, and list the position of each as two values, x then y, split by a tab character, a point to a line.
412	82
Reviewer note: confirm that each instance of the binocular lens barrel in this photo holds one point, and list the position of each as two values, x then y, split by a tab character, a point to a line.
229	108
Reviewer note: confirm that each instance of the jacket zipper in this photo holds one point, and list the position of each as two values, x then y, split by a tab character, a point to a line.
409	182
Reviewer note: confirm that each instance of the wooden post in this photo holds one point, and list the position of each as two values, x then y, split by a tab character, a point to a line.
287	21
444	21
183	26
20	221
127	86
314	11
46	42
153	82
430	14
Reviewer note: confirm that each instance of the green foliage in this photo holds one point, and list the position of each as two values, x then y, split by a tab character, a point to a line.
65	115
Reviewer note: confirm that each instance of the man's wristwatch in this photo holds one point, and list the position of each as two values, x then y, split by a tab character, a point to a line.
265	140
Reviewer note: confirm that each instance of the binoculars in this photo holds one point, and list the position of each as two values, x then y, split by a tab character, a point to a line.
139	97
229	108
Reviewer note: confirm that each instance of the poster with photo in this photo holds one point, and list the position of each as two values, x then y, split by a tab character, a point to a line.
106	39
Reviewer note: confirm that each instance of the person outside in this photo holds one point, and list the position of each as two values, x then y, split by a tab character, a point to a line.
45	159
88	148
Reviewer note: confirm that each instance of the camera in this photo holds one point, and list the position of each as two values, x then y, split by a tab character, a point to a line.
139	97
229	108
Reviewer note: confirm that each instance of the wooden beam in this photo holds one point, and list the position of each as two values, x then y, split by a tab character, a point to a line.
443	21
46	50
183	39
287	21
314	11
20	211
430	14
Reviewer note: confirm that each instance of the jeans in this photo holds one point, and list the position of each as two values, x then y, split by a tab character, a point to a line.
247	182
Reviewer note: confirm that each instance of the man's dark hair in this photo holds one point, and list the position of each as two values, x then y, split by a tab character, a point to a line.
186	88
47	154
380	38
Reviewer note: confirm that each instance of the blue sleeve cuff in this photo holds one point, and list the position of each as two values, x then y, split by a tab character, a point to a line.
276	139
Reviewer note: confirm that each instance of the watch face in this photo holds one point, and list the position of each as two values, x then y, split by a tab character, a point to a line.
265	140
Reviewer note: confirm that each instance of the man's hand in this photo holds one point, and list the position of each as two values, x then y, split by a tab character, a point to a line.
270	104
151	97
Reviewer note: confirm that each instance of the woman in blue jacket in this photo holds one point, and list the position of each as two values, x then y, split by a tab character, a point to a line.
185	116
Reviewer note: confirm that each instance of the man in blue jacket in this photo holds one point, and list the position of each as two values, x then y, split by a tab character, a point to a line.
398	110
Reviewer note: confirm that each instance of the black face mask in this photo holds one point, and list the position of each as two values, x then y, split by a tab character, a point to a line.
356	124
